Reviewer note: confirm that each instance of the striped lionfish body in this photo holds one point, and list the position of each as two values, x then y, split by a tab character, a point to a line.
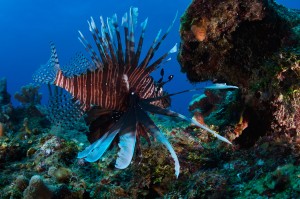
115	88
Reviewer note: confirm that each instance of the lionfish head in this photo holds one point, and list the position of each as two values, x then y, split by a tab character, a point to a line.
115	90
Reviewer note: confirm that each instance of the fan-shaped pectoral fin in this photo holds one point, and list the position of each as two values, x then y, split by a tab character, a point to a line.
144	119
127	145
127	140
95	151
157	110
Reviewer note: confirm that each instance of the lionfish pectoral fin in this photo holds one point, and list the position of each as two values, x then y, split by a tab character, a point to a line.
95	151
157	110
144	119
127	145
127	140
204	127
91	147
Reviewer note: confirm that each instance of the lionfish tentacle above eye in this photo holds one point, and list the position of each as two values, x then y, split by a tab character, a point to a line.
115	89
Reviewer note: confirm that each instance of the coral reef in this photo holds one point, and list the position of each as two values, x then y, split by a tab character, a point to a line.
4	95
29	95
5	104
37	189
255	46
216	107
209	169
222	109
38	160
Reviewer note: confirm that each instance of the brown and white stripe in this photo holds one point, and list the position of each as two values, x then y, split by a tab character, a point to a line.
108	85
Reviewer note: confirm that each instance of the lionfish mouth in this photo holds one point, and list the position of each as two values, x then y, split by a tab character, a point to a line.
114	90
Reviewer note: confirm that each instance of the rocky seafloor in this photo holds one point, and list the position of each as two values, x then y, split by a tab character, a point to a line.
38	160
251	44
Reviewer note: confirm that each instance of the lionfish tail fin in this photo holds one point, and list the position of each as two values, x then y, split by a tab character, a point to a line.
46	74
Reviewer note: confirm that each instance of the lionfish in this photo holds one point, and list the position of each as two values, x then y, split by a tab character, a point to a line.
115	89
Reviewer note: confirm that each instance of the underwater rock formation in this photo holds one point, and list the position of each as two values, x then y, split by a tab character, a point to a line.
6	108
29	95
4	95
255	46
30	100
37	189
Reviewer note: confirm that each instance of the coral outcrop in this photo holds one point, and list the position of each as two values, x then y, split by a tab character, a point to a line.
4	95
37	189
255	46
6	109
216	107
220	108
29	95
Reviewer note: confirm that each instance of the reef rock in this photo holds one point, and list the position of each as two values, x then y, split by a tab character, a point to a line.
255	46
4	95
5	104
29	95
216	107
37	189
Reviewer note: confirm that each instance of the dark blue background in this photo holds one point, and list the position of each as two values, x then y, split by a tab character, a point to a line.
27	27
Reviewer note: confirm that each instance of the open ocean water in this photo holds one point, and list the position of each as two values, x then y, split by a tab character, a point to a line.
27	27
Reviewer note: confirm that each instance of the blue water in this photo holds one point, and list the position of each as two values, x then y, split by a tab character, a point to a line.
27	27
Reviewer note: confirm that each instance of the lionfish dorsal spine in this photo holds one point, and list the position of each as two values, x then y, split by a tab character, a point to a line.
97	38
150	51
140	44
156	44
133	14
108	43
90	50
158	62
119	42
